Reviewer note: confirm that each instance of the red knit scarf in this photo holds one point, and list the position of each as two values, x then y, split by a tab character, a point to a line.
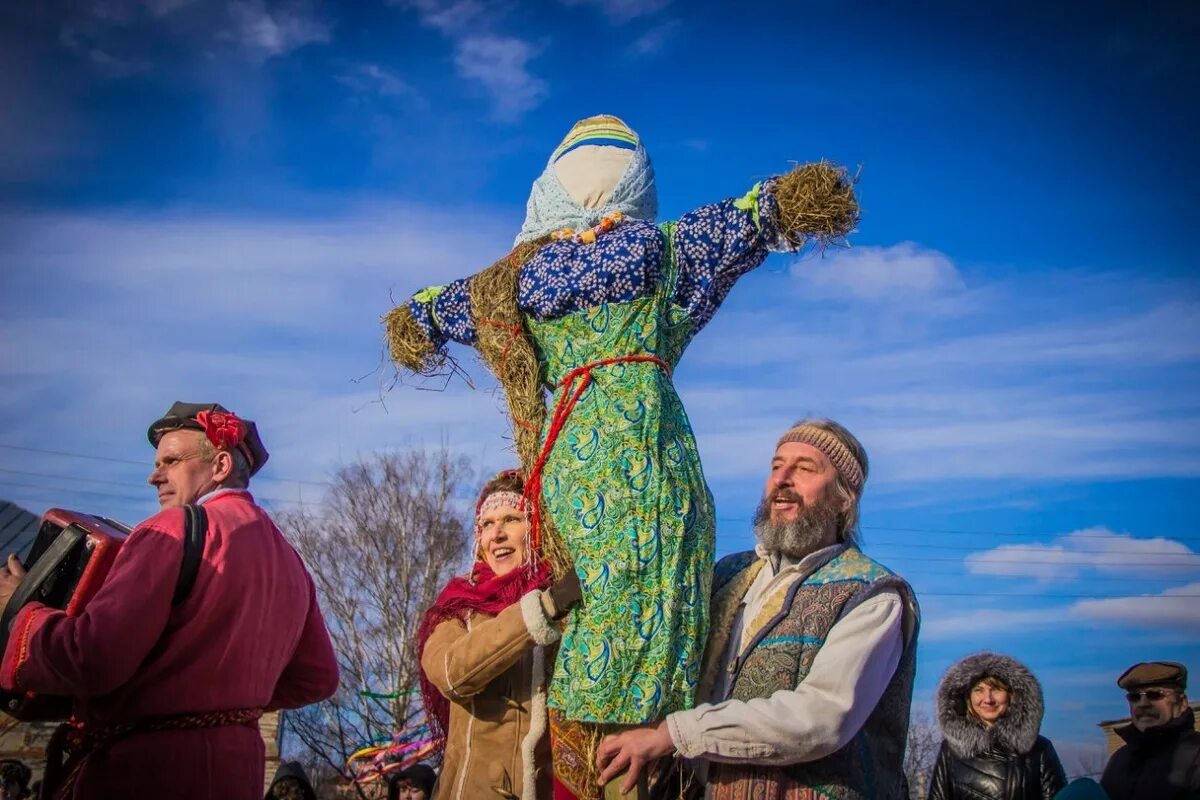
485	593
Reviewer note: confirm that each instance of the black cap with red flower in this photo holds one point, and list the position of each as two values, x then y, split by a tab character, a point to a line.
223	428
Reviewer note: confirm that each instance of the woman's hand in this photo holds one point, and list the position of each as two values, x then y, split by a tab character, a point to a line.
562	596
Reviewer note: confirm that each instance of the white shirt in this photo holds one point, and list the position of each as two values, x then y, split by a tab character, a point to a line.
848	677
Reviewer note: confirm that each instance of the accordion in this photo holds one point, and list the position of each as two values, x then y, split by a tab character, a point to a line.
68	563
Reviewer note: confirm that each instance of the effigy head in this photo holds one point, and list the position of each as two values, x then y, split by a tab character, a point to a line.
598	168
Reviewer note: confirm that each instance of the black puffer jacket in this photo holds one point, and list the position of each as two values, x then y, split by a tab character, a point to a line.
1008	761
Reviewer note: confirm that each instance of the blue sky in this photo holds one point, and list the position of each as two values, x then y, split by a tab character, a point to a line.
217	200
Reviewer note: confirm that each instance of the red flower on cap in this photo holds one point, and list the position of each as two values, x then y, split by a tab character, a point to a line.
223	428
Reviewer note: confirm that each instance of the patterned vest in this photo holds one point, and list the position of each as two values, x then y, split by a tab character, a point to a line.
784	640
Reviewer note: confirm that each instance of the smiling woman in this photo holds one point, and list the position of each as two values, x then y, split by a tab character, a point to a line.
485	645
990	709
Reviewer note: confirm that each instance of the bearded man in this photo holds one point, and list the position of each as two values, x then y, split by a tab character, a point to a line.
810	660
167	690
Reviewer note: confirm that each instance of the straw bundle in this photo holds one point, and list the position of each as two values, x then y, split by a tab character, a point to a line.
816	203
408	344
508	352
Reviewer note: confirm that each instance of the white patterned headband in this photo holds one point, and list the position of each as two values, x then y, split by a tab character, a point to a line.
501	499
838	453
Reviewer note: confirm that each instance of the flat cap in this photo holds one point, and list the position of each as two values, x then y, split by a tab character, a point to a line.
1154	673
222	429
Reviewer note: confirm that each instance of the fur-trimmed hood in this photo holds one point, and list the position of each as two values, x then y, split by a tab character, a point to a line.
1017	731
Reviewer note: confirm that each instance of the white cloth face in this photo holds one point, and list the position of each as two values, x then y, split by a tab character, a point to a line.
590	173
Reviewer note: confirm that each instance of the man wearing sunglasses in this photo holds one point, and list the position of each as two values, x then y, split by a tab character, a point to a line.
1161	756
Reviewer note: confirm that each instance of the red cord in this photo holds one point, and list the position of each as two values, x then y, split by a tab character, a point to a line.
562	410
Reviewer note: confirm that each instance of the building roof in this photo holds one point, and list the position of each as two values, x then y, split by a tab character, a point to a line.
18	528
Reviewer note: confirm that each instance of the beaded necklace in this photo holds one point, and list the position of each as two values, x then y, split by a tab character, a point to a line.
588	236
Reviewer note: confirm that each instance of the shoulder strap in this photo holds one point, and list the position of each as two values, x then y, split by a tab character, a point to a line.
195	531
669	281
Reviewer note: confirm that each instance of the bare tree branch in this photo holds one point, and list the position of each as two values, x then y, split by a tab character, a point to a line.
381	545
920	754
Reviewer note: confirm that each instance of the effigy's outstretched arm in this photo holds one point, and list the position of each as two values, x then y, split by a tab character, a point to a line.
418	330
812	205
482	311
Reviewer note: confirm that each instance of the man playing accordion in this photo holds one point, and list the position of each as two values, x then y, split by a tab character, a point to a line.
167	691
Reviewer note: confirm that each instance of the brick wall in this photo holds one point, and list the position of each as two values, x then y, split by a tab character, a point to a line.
1114	742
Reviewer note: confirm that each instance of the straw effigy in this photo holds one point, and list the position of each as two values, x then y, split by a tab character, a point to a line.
815	204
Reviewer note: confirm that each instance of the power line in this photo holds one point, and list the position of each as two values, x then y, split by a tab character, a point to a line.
140	484
1063	596
1125	562
1126	559
976	533
923	559
936	573
116	496
1008	548
1033	549
1080	535
69	477
112	460
739	520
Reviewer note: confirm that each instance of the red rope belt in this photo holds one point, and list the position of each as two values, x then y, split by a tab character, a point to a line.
77	741
574	384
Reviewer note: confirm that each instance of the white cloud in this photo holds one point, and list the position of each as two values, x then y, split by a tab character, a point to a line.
654	39
494	62
115	66
498	63
1175	610
162	8
880	274
375	79
274	317
265	33
1177	606
450	18
1076	411
122	11
987	621
1097	550
1015	384
620	11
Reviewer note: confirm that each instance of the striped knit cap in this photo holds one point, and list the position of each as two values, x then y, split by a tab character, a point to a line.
841	456
601	130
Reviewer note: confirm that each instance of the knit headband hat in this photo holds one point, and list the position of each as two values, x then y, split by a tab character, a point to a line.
604	130
501	499
835	450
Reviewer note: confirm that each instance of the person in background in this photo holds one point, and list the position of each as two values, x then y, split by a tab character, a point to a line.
1161	756
990	708
486	649
14	779
412	783
291	783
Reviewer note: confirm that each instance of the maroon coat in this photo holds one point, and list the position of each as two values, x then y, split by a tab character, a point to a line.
250	635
